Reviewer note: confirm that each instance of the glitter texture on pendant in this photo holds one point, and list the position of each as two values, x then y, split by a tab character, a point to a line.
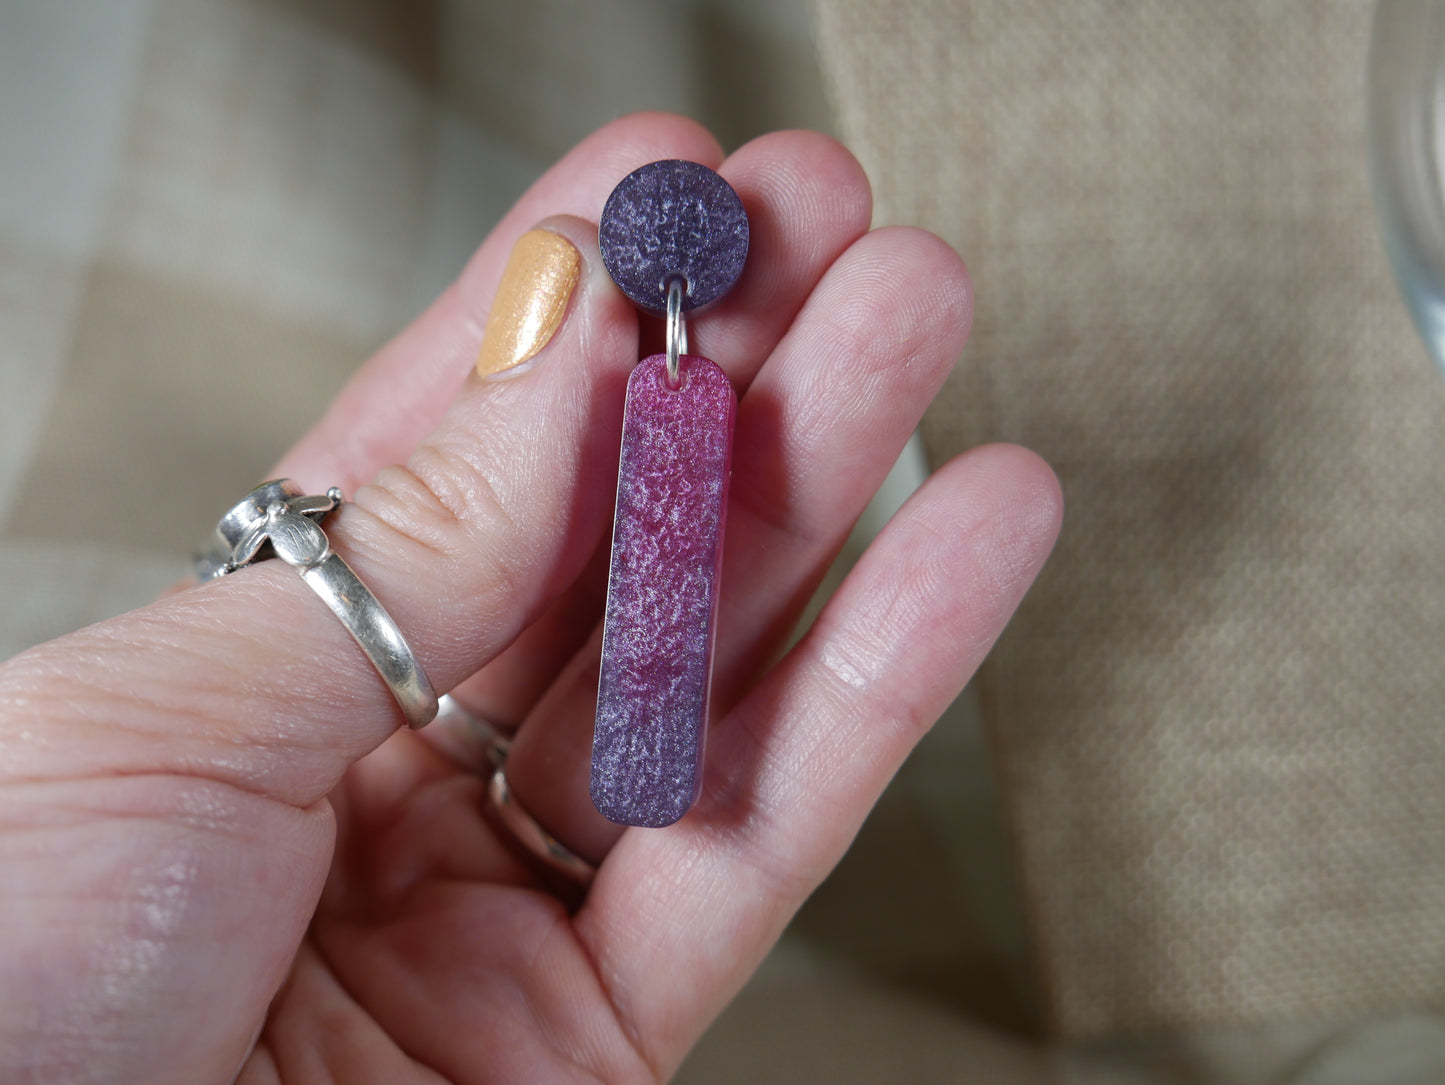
673	218
662	592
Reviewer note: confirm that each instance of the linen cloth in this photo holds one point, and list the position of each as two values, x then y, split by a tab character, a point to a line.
1217	716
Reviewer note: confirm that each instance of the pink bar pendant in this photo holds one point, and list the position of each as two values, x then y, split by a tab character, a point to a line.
662	592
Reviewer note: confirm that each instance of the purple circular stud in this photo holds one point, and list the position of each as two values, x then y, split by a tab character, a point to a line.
673	218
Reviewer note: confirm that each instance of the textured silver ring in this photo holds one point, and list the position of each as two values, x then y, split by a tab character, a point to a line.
527	831
277	520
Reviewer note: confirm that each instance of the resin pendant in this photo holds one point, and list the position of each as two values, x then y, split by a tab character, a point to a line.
674	237
662	592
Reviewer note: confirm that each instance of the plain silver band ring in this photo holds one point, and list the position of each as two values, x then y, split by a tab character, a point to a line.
377	634
278	520
468	740
528	832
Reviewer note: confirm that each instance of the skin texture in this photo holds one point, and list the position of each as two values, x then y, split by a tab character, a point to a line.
218	856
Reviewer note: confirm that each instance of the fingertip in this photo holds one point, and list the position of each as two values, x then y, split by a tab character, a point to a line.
1014	491
937	275
1047	492
608	310
806	169
554	287
897	306
1027	474
670	135
582	233
951	274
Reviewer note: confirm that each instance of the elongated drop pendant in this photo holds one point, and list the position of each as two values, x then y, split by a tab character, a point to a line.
674	238
662	592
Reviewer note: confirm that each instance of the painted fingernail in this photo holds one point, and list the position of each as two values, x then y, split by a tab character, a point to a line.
531	300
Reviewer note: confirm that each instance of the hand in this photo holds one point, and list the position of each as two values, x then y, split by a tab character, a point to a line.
218	856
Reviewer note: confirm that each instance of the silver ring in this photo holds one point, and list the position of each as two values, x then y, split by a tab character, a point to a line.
467	740
676	329
527	831
277	520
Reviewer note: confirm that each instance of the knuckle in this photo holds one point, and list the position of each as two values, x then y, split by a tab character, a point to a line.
441	505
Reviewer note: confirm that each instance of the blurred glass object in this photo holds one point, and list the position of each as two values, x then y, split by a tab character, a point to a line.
1406	128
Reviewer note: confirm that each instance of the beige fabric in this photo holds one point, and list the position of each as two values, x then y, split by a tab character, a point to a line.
1217	717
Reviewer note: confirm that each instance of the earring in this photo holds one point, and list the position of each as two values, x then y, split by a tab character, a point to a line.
674	238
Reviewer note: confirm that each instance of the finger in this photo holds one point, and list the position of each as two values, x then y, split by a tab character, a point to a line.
403	391
677	920
817	432
824	423
807	200
252	681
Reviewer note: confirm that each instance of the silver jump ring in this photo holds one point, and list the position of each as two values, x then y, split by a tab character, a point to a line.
277	517
676	329
527	831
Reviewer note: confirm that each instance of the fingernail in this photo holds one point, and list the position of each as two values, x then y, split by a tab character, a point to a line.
531	300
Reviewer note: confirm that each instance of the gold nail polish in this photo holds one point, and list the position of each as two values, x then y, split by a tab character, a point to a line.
531	300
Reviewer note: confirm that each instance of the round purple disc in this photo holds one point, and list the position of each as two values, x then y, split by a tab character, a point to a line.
673	218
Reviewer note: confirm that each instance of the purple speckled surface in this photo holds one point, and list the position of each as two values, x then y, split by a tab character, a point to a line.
673	218
662	592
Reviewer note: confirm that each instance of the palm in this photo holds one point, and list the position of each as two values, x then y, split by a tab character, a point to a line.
417	964
230	817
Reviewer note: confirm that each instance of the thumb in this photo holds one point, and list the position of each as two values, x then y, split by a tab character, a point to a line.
250	680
